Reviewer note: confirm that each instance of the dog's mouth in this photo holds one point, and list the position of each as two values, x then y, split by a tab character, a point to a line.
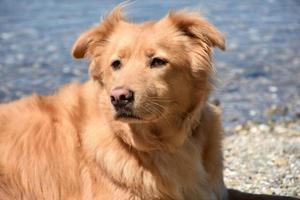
126	115
138	114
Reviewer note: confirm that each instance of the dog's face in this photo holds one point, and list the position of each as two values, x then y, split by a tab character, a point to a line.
153	69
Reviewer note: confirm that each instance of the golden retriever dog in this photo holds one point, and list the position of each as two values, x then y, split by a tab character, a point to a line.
139	129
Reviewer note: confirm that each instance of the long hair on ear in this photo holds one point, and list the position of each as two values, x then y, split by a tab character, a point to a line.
96	36
195	26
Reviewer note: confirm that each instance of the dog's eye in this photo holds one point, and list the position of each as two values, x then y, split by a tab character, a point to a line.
157	62
116	64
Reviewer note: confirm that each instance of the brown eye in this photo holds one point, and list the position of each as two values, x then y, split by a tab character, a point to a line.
157	62
116	64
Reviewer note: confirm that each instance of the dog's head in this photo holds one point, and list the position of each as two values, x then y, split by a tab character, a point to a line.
153	69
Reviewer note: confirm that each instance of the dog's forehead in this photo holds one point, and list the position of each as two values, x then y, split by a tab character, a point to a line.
144	36
132	33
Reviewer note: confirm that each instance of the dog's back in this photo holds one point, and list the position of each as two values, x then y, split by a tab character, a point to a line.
34	132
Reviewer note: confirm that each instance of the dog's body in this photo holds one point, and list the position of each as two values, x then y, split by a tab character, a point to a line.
140	129
73	146
58	147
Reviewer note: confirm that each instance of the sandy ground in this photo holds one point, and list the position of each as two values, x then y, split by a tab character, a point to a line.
264	158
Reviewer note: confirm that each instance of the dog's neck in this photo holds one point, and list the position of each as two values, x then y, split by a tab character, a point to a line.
166	135
162	134
127	153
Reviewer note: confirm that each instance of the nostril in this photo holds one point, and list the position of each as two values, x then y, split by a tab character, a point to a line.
123	97
130	96
112	99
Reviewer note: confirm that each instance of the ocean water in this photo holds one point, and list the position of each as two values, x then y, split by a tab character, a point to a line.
258	74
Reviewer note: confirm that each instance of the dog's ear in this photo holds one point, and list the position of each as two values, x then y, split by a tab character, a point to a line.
96	37
195	26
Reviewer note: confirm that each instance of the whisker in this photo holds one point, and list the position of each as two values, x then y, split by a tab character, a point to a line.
158	109
160	100
157	98
157	105
165	116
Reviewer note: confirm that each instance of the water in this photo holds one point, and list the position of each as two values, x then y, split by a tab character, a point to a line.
259	74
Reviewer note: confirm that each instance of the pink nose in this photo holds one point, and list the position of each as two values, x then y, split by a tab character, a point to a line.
120	97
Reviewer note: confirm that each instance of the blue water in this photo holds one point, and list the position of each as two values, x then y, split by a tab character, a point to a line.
259	72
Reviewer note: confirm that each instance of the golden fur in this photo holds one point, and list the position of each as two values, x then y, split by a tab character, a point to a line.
70	146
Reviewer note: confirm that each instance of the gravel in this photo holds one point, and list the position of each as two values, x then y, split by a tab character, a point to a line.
264	158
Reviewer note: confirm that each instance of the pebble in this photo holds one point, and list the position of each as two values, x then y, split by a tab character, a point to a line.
281	162
273	89
264	128
280	129
252	112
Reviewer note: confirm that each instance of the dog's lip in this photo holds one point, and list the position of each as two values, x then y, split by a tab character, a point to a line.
126	115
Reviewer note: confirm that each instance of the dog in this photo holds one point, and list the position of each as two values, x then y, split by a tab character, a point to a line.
140	129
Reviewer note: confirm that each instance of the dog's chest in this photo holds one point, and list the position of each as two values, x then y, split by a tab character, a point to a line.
158	175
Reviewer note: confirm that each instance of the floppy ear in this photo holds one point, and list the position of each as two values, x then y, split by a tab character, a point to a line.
195	26
96	36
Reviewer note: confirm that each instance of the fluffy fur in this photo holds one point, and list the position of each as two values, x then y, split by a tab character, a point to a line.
71	146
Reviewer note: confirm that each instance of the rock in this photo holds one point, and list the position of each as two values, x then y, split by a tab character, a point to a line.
281	162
